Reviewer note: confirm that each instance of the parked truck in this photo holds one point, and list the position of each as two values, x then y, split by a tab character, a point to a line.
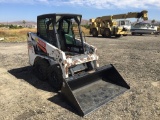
107	26
60	55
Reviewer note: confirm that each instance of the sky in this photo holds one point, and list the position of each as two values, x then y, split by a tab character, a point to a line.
16	10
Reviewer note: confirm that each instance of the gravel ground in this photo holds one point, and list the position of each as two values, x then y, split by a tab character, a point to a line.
137	58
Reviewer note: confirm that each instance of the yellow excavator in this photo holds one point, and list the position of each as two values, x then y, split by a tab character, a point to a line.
107	26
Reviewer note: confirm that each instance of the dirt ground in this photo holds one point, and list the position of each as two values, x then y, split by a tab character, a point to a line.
137	58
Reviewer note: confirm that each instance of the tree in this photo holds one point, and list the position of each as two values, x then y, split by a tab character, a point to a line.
24	22
153	21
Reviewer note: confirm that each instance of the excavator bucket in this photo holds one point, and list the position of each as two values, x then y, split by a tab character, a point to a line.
87	92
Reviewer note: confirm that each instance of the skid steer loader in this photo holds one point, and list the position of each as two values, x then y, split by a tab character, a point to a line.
60	55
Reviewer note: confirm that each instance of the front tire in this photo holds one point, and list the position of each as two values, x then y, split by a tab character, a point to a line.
55	78
95	32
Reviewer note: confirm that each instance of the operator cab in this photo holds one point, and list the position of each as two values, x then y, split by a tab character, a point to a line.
63	31
125	24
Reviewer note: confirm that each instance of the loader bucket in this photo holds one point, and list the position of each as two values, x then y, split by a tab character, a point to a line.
89	91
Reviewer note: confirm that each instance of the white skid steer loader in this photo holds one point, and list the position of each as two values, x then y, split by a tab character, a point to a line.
59	55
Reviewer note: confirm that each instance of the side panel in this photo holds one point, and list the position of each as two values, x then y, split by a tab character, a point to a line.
31	50
50	52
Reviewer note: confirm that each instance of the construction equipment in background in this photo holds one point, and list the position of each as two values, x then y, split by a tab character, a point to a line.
107	26
59	55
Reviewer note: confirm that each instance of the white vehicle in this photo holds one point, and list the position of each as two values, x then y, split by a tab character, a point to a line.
143	28
59	55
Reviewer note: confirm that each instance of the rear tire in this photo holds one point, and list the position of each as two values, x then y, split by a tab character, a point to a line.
40	69
55	78
102	35
107	33
95	32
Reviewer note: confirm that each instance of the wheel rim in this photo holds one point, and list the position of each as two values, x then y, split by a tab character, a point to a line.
107	33
94	32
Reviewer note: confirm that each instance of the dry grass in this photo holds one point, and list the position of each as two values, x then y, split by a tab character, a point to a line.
86	31
20	35
15	35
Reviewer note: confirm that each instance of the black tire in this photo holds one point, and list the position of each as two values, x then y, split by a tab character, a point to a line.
102	35
117	36
95	32
55	78
133	33
124	34
40	69
107	33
